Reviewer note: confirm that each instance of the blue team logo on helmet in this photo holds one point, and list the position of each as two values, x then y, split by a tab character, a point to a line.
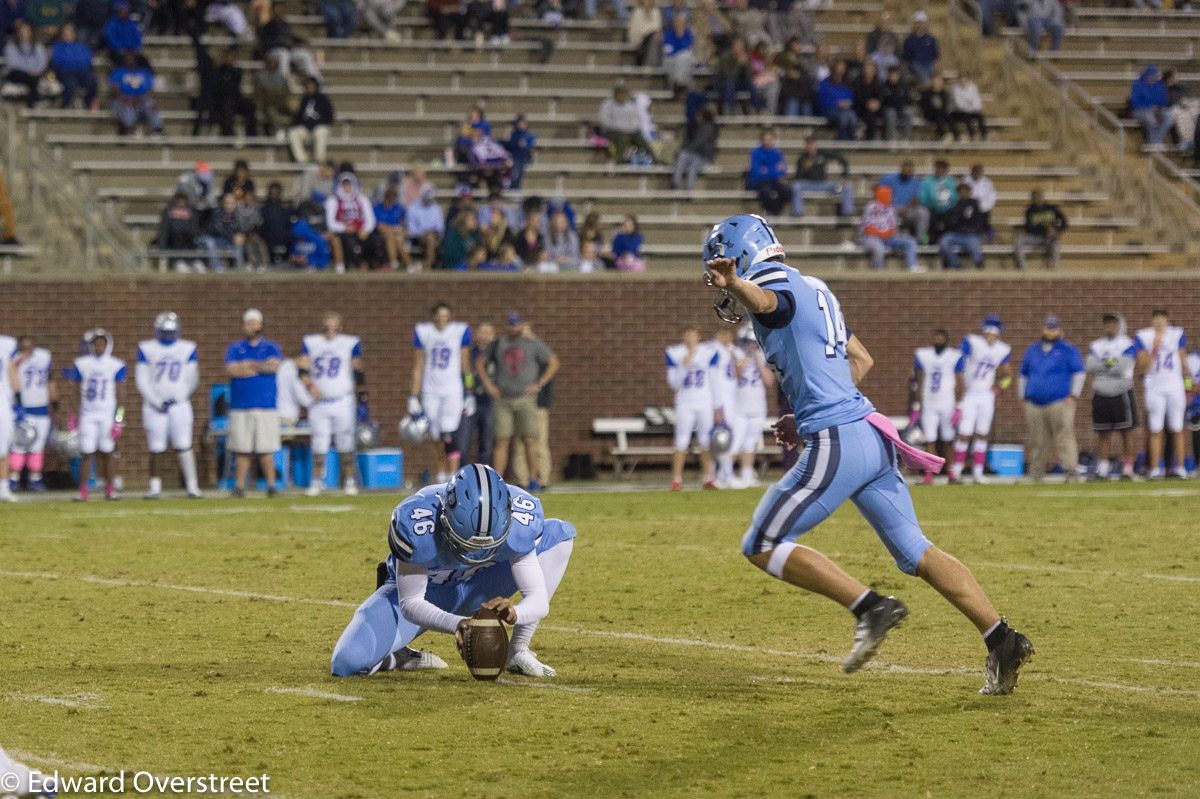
746	237
166	327
991	324
476	513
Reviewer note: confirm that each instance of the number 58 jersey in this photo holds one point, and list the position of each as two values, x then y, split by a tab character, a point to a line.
415	535
329	362
804	341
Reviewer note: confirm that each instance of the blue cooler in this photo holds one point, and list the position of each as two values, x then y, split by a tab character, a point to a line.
76	466
1007	460
381	468
302	472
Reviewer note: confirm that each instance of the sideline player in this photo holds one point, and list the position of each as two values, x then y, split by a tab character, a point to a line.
101	378
440	380
330	364
934	369
690	367
750	409
8	349
1114	406
470	543
725	380
37	398
1161	352
850	453
984	356
166	374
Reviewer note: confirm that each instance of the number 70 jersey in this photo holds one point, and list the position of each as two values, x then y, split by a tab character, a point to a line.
808	350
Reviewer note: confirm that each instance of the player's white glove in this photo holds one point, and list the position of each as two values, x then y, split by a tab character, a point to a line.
414	406
469	405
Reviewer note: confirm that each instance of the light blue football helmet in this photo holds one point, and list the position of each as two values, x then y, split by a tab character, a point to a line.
747	238
476	513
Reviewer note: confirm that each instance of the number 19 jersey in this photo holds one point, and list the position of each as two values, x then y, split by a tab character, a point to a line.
443	356
329	362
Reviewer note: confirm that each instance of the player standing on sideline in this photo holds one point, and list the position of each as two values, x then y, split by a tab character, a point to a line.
1161	352
325	364
984	356
37	397
470	543
440	382
934	369
1114	406
750	408
166	374
851	453
101	379
724	376
8	349
690	368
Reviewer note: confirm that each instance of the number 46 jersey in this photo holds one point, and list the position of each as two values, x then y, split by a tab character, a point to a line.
415	535
804	341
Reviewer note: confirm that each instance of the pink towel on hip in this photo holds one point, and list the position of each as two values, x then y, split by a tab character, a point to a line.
913	458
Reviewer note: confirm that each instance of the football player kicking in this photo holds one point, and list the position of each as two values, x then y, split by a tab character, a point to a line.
851	452
101	379
984	356
166	374
331	367
1161	353
470	543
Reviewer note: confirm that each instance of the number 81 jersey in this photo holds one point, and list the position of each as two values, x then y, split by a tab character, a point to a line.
415	535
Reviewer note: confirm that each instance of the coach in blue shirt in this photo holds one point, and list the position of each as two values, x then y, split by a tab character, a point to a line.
253	422
1050	381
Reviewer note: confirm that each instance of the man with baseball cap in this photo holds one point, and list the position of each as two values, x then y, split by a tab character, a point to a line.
1050	381
253	422
920	51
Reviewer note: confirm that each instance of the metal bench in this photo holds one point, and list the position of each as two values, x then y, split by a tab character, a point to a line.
626	456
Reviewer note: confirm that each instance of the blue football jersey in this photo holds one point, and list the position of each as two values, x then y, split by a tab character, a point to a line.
808	352
415	535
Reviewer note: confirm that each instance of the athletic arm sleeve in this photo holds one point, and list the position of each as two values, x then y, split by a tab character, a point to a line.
411	582
145	386
531	582
675	373
1077	379
191	376
1022	384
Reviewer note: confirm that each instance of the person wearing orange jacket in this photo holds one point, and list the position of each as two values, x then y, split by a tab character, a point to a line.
879	232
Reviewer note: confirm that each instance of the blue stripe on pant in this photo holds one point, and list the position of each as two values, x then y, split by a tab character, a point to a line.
378	629
846	462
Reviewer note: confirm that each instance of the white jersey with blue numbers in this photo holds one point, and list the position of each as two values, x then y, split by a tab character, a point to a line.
98	376
1166	372
980	361
33	378
751	391
171	370
694	381
724	376
443	373
8	351
329	362
808	350
937	390
415	535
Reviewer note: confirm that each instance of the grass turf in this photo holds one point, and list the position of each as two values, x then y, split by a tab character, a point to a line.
699	676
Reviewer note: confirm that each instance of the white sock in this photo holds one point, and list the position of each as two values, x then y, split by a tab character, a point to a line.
957	468
187	465
725	467
4	489
980	445
1102	467
554	564
155	485
747	473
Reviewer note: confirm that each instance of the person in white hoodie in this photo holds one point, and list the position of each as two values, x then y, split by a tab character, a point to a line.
966	106
349	216
983	191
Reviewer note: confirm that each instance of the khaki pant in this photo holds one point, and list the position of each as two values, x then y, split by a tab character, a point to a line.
1051	424
299	137
520	463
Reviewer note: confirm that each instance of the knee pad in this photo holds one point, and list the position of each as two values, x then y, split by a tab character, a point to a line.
779	558
980	445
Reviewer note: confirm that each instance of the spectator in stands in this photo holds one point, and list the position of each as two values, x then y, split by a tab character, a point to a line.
879	233
1148	102
619	9
881	33
699	150
496	232
868	101
920	51
47	17
229	100
341	18
562	243
132	90
520	146
197	184
239	183
488	159
1044	16
906	196
12	12
821	65
674	9
966	106
277	41
314	184
277	220
897	107
530	244
349	216
557	205
122	32
389	221
935	107
8	217
854	64
592	252
25	61
426	226
797	89
768	170
310	248
251	363
836	99
938	194
734	74
272	96
989	8
250	220
178	228
965	227
223	233
1051	380
1043	229
885	58
311	123
749	23
627	247
446	15
812	175
766	76
72	62
461	238
713	32
415	184
91	17
382	15
231	16
983	191
792	21
622	126
645	33
679	55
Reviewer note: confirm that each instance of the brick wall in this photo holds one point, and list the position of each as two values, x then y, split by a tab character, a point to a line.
609	331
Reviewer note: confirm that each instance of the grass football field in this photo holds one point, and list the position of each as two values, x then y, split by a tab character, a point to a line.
193	638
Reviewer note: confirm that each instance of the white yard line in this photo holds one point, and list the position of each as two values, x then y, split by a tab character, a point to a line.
507	681
1175	663
88	701
100	515
314	694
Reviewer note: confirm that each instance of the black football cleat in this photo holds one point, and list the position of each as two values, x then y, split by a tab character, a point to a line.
870	631
1004	662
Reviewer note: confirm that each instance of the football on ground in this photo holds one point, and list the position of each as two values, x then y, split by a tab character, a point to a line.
186	640
485	645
